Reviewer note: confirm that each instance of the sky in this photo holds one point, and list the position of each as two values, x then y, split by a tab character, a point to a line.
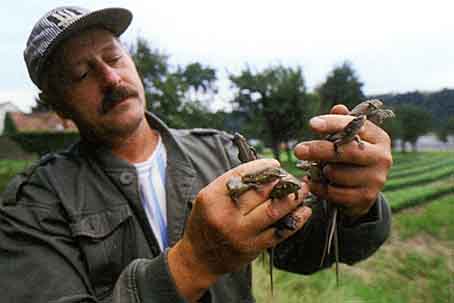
394	46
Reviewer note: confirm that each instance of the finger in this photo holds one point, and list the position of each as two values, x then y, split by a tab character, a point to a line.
350	197
254	197
271	211
329	124
322	150
339	109
273	236
345	175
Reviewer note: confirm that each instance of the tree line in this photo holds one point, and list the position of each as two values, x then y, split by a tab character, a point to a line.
271	105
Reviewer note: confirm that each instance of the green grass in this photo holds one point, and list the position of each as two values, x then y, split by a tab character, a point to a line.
431	176
415	265
12	166
412	196
9	168
421	168
435	219
409	160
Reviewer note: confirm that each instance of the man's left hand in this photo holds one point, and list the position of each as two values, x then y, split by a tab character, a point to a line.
356	175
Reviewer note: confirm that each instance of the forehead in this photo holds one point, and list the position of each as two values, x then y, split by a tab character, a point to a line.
88	42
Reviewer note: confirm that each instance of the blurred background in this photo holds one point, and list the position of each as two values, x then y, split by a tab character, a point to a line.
264	69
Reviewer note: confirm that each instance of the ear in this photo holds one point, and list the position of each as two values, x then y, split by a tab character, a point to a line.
62	114
55	105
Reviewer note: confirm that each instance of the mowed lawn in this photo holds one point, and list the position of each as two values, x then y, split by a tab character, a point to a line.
415	265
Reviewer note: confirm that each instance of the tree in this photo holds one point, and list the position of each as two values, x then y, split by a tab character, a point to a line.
446	130
414	121
394	129
175	94
341	86
274	102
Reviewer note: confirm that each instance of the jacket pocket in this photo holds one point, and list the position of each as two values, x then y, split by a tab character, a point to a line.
106	240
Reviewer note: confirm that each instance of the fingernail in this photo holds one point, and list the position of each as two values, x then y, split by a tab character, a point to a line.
318	123
301	150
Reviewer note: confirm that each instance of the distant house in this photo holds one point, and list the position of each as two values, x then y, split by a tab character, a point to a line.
39	122
39	133
4	108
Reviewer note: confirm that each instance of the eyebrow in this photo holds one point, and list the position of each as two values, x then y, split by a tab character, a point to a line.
108	46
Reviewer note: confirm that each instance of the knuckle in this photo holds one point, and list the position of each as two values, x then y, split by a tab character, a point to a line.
381	180
329	172
368	194
246	246
233	242
387	160
356	155
201	196
272	212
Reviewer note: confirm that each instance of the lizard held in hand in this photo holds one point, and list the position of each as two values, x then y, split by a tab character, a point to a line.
286	184
368	110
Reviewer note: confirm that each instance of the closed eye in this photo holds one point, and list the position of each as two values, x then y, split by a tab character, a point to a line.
80	76
113	60
83	76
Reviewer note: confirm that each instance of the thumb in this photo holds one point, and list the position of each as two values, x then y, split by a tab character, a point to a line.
339	109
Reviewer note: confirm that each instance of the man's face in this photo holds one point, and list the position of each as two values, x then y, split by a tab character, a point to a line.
102	91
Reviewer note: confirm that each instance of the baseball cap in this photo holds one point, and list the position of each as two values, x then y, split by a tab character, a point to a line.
60	24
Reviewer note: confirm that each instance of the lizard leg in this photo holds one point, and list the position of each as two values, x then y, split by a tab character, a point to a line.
337	145
359	141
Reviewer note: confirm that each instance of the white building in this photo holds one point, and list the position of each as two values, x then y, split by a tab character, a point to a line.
4	108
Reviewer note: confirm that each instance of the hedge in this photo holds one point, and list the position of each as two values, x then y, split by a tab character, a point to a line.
44	142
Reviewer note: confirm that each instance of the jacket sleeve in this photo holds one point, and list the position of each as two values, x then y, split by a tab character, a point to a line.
147	280
302	252
40	261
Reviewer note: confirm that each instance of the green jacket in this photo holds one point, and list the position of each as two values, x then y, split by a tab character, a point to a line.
72	228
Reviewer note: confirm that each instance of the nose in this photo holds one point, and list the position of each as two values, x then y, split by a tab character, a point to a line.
109	75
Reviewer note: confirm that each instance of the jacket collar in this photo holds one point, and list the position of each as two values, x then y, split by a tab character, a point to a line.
180	174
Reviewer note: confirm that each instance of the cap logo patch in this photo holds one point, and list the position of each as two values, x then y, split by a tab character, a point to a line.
64	17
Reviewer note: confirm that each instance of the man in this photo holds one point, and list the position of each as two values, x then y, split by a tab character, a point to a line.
138	212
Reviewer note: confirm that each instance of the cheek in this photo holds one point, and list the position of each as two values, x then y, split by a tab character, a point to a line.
82	108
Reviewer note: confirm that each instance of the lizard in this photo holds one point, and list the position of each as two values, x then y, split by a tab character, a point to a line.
345	136
286	185
368	110
373	110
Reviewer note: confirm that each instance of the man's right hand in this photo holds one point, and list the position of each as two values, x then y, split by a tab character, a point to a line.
222	236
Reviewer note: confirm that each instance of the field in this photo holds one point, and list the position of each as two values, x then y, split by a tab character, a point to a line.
415	265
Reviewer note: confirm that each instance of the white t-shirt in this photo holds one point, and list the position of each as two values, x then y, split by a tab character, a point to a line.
152	175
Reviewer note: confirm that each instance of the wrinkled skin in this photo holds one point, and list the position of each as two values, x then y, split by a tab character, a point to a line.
232	234
356	176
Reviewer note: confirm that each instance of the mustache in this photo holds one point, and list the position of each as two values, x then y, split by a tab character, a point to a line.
116	94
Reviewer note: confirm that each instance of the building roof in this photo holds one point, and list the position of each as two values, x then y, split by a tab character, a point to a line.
47	121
